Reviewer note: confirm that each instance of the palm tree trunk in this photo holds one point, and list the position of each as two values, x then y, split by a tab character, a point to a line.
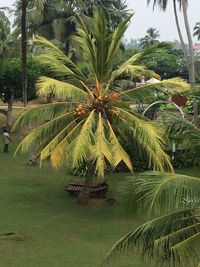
84	195
24	52
10	108
181	38
191	58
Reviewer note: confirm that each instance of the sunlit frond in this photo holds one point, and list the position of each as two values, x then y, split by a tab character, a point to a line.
42	135
147	134
41	114
60	89
102	148
81	147
119	154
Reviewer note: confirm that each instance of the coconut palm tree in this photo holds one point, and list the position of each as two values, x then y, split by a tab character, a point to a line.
189	54
150	39
4	36
89	127
173	200
197	30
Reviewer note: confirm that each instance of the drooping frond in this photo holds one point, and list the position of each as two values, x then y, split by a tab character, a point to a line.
119	154
41	113
56	141
173	238
158	193
60	89
42	135
81	147
61	153
171	86
147	134
178	127
102	148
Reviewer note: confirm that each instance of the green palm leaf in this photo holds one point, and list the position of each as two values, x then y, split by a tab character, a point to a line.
60	89
41	113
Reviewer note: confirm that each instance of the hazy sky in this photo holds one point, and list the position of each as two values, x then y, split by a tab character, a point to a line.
144	18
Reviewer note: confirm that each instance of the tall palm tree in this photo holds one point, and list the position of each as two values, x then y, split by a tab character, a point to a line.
197	30
90	126
183	4
24	50
150	39
4	36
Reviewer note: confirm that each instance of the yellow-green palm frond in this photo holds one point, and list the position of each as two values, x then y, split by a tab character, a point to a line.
60	89
118	153
61	153
81	147
42	135
41	113
49	49
171	86
173	238
147	134
102	149
50	148
116	39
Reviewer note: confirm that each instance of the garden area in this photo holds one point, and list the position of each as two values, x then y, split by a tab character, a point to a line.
100	157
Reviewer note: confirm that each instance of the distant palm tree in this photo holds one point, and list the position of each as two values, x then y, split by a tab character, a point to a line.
150	39
189	53
197	30
4	36
90	126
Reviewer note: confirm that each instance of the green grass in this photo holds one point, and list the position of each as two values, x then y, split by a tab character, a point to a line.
50	228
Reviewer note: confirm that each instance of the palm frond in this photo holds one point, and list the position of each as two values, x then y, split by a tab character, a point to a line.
102	149
147	134
160	193
52	51
171	86
119	154
81	147
42	135
60	89
173	238
41	113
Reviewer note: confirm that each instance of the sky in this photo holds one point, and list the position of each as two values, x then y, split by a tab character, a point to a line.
145	17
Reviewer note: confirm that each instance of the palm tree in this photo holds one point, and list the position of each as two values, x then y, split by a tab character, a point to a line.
189	56
90	126
173	234
4	36
150	38
197	30
24	50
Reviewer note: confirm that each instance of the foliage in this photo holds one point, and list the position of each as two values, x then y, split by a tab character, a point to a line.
10	78
197	30
174	235
150	39
89	127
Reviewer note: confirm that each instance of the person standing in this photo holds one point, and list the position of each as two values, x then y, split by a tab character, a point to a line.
6	140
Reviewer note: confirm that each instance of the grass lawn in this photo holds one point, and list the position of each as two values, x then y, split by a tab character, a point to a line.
50	229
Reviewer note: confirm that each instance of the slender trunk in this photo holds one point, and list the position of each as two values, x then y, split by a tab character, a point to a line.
191	58
10	108
24	52
84	195
181	38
